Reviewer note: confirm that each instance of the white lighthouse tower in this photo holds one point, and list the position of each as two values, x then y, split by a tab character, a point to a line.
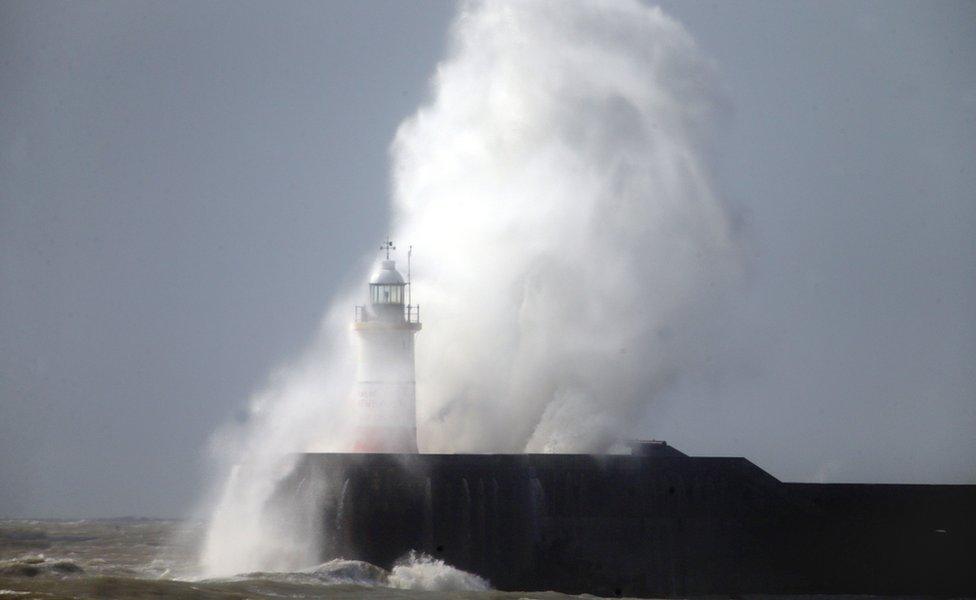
384	418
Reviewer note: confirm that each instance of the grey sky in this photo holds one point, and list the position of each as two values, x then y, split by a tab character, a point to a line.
183	186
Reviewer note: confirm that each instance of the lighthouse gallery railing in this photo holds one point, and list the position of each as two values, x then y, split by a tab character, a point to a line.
411	314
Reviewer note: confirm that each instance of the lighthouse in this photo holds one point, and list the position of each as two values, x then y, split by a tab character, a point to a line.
384	415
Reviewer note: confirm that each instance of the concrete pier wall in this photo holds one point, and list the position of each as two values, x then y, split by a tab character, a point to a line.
643	525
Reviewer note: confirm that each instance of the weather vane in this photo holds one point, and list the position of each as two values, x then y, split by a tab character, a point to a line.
388	246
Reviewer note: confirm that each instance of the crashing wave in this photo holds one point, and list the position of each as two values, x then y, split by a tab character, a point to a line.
418	571
415	571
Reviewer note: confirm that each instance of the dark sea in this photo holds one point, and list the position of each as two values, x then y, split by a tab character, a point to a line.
148	558
152	558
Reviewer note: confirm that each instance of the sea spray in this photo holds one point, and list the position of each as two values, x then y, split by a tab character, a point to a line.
256	530
573	256
574	252
250	527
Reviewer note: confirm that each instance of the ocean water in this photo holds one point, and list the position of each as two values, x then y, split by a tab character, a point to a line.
149	558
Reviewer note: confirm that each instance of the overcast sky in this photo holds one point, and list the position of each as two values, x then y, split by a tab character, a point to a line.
183	186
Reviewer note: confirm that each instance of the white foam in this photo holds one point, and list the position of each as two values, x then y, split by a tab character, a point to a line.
422	572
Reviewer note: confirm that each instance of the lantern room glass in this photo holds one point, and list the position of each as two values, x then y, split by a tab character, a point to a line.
386	294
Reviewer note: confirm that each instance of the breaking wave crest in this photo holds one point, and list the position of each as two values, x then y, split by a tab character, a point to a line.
423	572
415	571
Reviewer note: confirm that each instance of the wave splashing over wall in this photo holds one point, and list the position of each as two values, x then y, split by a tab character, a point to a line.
574	247
573	253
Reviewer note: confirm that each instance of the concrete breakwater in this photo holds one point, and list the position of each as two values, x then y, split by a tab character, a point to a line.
656	524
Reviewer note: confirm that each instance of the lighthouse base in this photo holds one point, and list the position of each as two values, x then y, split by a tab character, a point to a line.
386	440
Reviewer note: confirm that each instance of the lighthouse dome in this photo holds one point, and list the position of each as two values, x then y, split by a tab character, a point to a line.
387	275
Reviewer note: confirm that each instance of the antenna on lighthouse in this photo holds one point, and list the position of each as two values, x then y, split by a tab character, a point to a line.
409	287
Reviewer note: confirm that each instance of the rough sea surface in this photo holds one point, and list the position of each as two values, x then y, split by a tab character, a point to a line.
143	558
